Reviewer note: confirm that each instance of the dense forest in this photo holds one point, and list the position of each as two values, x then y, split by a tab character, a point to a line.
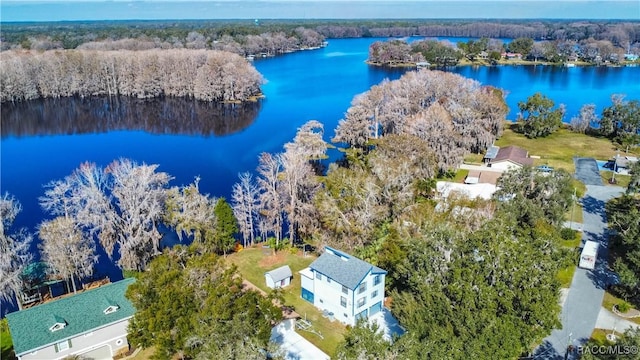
209	75
70	35
444	53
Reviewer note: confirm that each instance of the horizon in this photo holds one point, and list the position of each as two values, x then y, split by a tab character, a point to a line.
141	10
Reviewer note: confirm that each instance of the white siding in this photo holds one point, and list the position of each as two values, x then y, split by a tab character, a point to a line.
505	165
306	282
327	296
83	343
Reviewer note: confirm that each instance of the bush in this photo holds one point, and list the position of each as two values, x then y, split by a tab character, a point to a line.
568	234
623	307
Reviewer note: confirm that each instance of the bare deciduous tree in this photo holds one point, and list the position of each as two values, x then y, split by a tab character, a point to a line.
14	250
68	252
245	205
585	118
120	204
269	185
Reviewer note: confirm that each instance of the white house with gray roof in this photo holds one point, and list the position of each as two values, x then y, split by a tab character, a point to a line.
344	287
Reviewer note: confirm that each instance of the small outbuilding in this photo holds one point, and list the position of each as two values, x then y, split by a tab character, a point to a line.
279	277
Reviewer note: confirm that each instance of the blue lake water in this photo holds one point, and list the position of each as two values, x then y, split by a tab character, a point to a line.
316	84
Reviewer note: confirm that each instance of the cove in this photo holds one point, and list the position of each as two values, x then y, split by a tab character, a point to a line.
46	140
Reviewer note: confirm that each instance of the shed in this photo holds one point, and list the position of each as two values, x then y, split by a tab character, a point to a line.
279	277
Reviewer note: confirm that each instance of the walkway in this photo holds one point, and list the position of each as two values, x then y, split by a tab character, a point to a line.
582	306
610	321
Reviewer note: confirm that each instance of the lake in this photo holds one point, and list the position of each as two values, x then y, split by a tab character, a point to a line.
46	140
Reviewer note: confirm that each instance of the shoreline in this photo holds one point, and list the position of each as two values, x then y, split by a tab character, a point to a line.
506	63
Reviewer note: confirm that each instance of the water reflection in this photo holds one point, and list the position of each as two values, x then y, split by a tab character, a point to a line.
104	114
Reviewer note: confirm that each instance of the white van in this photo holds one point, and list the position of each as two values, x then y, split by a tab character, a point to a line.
589	255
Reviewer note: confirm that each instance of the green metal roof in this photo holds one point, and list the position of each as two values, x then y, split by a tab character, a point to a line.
81	313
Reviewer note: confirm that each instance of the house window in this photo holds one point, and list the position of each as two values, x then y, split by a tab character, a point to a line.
345	290
343	301
374	294
362	301
321	302
376	280
62	346
345	315
318	276
362	288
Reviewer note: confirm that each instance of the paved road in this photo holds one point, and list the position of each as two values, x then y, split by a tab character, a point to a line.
582	306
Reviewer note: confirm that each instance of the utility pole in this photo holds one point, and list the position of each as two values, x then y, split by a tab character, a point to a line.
573	206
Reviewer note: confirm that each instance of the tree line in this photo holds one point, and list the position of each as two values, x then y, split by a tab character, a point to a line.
199	74
445	53
69	35
539	117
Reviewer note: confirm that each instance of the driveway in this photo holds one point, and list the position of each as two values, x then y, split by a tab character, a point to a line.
583	303
587	171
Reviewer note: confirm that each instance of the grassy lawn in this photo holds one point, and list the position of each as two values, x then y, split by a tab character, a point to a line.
559	148
253	263
621	180
6	344
600	336
577	214
473	159
609	300
565	275
461	174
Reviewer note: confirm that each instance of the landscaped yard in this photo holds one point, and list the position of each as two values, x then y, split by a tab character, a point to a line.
558	149
609	300
600	336
254	262
621	180
5	341
565	275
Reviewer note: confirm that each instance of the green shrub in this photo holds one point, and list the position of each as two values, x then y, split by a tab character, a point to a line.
623	307
568	234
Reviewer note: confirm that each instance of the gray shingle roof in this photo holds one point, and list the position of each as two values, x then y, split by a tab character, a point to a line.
343	268
281	273
81	313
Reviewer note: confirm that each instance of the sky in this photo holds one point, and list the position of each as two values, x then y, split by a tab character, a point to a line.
70	10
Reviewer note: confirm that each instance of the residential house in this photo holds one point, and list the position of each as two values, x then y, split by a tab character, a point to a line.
491	154
279	277
344	287
510	158
92	323
623	164
511	56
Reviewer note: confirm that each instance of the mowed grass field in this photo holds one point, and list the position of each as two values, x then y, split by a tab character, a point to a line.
558	149
252	263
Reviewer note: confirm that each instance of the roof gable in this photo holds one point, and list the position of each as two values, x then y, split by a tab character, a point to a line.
31	328
343	268
280	273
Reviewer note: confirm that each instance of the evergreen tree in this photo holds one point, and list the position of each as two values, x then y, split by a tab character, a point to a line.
226	226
